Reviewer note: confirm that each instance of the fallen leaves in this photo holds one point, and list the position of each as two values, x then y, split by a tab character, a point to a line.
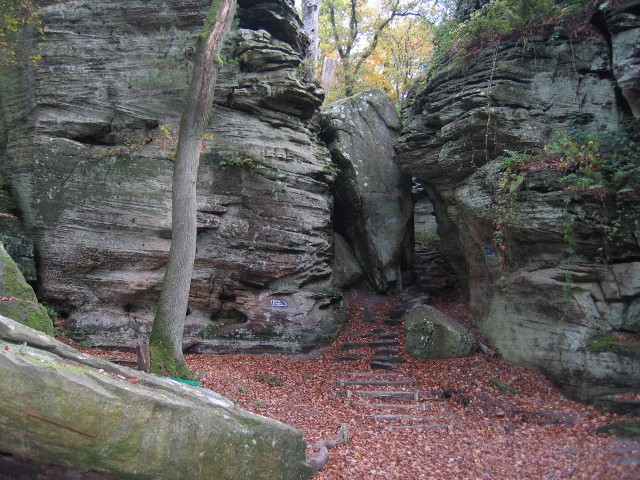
532	434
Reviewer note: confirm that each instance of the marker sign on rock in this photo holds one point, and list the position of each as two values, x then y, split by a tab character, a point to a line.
279	303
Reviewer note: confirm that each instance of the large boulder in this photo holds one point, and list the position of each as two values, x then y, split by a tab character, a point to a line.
550	277
17	299
373	202
430	333
86	143
60	406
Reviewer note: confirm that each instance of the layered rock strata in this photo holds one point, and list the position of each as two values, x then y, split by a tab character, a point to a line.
87	138
561	295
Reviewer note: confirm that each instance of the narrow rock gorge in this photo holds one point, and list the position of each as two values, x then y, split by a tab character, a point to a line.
295	204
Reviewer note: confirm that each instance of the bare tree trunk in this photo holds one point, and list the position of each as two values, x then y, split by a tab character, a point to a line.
310	19
328	78
168	323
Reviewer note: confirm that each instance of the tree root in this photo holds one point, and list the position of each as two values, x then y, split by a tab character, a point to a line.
320	458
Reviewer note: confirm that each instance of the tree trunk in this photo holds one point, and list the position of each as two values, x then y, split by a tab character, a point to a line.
310	19
328	78
168	323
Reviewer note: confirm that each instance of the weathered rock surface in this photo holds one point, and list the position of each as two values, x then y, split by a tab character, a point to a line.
15	238
429	333
622	24
61	406
346	269
373	203
538	304
17	299
86	139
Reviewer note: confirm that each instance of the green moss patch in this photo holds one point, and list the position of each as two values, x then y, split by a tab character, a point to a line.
18	300
627	428
626	344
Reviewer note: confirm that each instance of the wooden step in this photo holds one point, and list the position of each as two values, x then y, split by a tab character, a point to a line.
388	336
377	365
384	343
389	406
388	395
393	322
418	427
388	359
391	417
349	358
377	383
386	351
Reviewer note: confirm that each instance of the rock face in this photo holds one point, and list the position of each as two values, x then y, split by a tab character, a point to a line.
373	203
346	269
15	238
433	334
622	24
87	138
61	406
17	299
571	315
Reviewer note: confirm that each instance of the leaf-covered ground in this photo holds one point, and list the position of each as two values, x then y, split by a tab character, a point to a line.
477	417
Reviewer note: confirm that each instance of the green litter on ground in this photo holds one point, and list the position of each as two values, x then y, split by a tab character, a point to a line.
184	380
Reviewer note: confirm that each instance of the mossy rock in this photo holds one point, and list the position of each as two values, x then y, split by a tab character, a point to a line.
18	300
432	334
626	428
627	345
87	413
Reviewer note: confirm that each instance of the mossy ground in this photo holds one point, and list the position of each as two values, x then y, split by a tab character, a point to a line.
626	428
163	362
624	344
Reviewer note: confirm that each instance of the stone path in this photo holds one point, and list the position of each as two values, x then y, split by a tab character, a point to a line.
391	398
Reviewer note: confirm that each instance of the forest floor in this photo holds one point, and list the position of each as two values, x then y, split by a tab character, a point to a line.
468	418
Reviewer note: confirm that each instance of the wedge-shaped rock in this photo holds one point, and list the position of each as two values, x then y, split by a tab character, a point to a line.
60	406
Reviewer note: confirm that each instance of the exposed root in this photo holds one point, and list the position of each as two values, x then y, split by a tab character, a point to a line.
320	458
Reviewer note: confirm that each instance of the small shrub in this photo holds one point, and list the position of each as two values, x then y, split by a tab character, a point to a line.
210	331
270	380
430	241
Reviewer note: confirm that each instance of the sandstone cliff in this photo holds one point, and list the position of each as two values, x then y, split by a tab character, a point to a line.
86	140
563	295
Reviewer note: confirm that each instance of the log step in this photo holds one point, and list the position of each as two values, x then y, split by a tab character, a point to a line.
381	394
377	383
385	359
389	406
418	427
386	351
384	343
374	374
388	336
393	322
349	358
376	365
382	417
